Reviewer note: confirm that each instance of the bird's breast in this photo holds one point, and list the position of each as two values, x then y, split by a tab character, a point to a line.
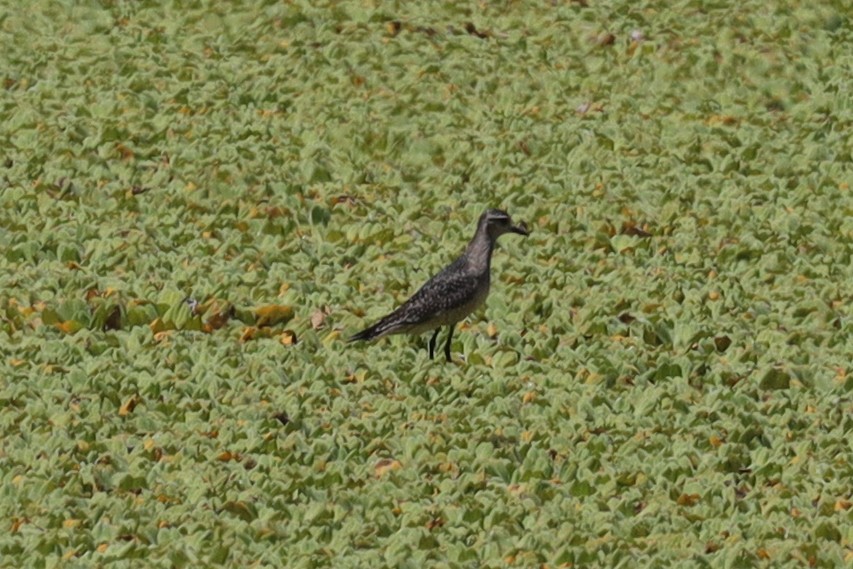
464	309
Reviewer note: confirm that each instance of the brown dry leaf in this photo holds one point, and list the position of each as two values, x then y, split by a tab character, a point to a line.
103	547
491	330
842	505
274	212
528	397
393	28
687	499
722	343
273	314
715	441
471	29
319	317
288	338
218	315
228	456
249	333
726	120
252	333
128	406
385	466
356	377
125	152
636	230
435	523
605	39
113	321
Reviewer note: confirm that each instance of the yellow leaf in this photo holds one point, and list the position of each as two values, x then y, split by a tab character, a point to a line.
491	330
15	362
249	333
70	523
385	466
715	441
288	338
128	406
273	314
69	326
163	336
593	378
841	505
157	325
528	397
103	548
331	337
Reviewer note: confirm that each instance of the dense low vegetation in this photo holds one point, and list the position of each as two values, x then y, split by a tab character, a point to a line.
201	200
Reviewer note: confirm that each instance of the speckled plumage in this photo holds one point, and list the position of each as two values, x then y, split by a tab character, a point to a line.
454	293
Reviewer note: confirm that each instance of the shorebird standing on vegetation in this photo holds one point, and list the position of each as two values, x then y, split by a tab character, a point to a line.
454	293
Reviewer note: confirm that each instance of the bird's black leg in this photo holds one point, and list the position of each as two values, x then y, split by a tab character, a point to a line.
432	343
447	345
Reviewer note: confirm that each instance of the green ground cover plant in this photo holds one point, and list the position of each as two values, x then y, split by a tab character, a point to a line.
201	200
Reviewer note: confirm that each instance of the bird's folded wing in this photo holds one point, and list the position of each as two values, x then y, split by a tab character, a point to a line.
446	292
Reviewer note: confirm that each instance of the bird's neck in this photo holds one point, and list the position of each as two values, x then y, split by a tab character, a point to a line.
479	252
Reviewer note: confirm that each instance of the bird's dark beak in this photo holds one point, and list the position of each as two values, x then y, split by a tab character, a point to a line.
521	229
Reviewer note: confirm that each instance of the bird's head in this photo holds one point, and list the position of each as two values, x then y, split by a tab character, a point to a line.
496	222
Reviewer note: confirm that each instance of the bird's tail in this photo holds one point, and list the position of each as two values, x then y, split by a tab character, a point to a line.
366	334
385	326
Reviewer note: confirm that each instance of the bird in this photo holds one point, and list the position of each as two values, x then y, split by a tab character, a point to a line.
452	294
